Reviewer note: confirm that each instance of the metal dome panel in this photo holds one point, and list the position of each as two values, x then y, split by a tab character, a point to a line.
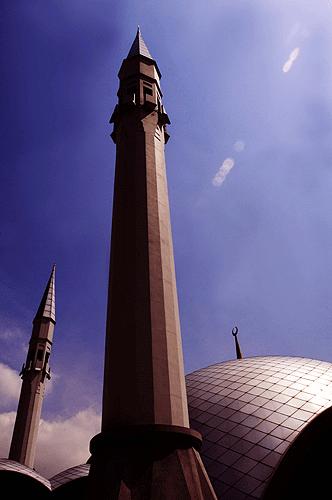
70	474
249	411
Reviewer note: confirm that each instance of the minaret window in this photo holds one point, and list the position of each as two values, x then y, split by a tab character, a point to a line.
157	134
132	91
47	358
159	102
147	91
40	354
147	88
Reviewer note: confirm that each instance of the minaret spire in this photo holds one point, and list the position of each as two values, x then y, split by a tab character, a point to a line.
34	373
235	331
46	307
146	449
139	47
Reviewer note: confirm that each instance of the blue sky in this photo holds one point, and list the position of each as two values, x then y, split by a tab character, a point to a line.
248	88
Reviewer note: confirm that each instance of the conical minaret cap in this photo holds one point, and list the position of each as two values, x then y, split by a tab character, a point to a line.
139	47
46	307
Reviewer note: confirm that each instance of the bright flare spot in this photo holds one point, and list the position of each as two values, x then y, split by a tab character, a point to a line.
225	168
239	146
291	58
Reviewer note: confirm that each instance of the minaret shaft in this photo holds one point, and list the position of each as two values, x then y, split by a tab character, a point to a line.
34	374
23	445
143	347
146	449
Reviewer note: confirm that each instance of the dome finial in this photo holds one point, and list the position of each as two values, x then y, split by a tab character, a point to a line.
235	331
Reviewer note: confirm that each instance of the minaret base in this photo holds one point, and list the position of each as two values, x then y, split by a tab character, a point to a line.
148	463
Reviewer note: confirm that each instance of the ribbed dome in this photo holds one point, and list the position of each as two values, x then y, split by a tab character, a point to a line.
69	475
17	468
249	412
19	481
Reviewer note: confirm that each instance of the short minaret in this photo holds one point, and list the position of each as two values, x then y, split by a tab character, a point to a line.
146	449
235	331
34	373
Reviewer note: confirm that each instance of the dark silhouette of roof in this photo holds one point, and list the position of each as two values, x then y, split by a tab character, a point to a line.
17	471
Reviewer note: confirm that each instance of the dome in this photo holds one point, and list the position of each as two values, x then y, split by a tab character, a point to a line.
70	483
250	412
21	480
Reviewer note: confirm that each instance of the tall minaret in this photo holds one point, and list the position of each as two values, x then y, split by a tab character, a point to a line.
34	373
146	449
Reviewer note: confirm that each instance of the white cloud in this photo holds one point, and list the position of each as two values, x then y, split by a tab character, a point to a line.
10	333
49	384
6	429
291	58
297	33
296	28
225	168
62	443
239	146
10	384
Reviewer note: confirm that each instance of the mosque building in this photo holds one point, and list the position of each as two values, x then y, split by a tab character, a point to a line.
249	428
